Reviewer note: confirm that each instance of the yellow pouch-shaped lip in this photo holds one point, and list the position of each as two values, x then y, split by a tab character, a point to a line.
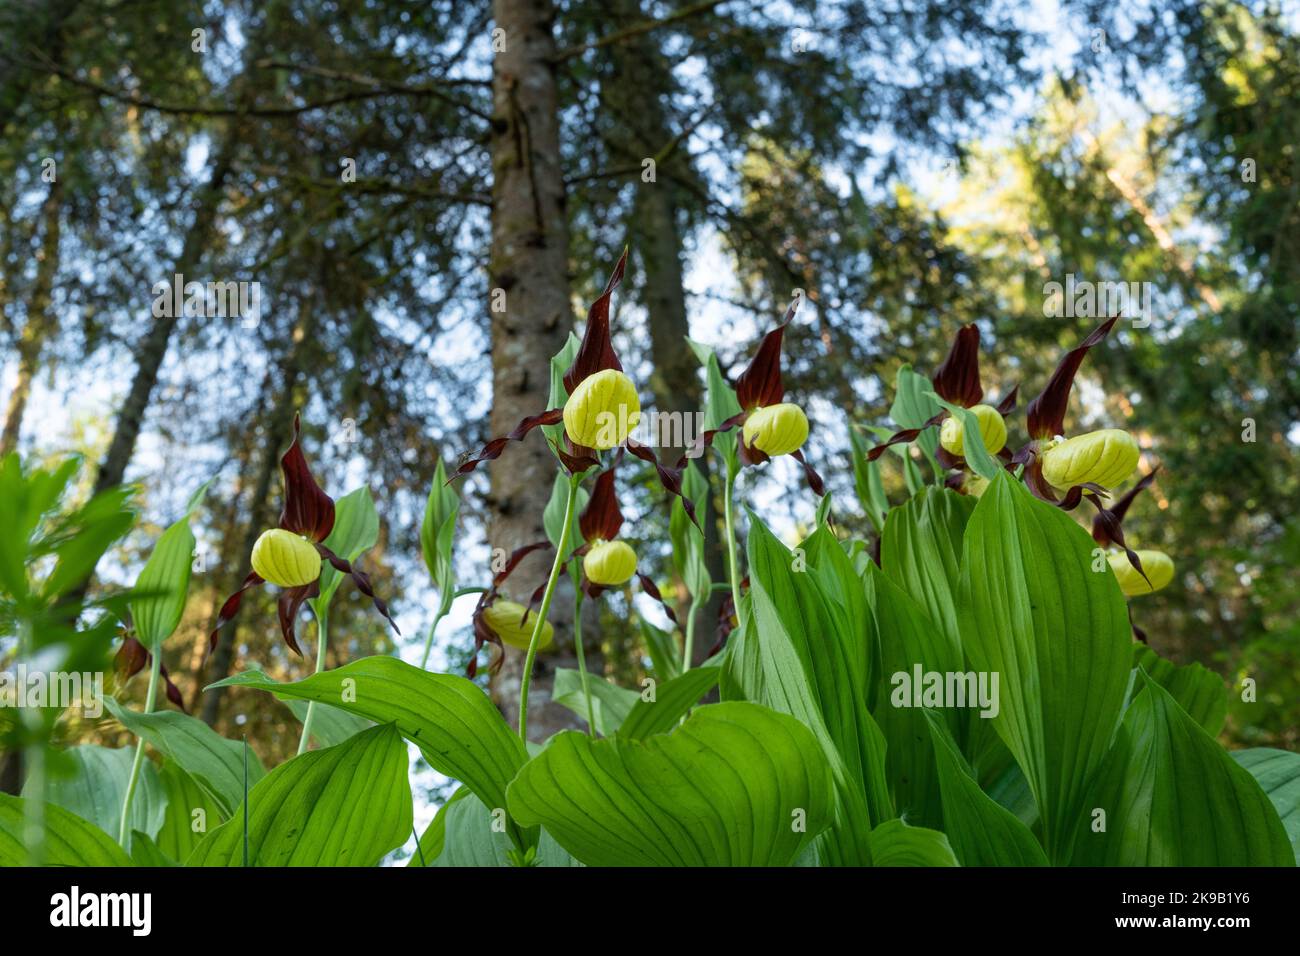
993	429
503	617
1106	457
602	411
286	559
777	429
609	563
1157	565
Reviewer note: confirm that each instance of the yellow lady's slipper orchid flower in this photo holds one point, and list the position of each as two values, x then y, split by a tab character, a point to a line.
992	429
1158	566
779	429
1106	457
602	411
609	563
504	618
286	559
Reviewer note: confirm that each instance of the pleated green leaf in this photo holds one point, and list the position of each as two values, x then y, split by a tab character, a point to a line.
1278	773
215	763
342	806
69	840
455	725
1032	611
91	782
981	832
356	530
610	702
1198	690
736	785
159	592
191	812
673	700
330	726
1171	796
894	843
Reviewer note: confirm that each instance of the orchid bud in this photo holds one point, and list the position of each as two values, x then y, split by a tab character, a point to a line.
602	410
975	485
1157	565
1105	457
508	622
779	429
992	429
285	558
609	563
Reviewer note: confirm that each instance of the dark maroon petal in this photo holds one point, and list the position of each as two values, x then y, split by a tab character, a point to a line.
947	460
760	384
131	659
1008	404
957	379
1108	519
906	435
1140	634
534	602
307	509
601	519
517	555
596	353
493	449
360	579
670	478
173	692
231	607
1106	530
810	474
956	481
290	603
652	589
1046	415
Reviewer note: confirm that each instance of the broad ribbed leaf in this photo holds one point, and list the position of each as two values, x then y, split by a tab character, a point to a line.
1198	690
1173	797
162	585
920	551
215	763
797	657
144	852
610	702
867	482
673	700
736	785
665	655
341	806
894	843
914	405
1278	773
908	638
982	833
69	840
455	725
329	726
191	813
438	530
686	536
466	834
91	782
1032	611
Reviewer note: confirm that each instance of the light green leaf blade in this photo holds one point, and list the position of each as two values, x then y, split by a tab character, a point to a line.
982	833
342	806
672	701
191	813
162	585
215	763
92	780
356	530
438	530
330	726
894	843
1198	690
1173	797
69	840
665	655
721	790
1278	774
455	725
144	852
610	702
1032	611
977	456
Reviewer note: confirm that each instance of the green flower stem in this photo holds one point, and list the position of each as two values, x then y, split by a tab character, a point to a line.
444	607
728	489
688	648
322	642
123	827
582	658
569	506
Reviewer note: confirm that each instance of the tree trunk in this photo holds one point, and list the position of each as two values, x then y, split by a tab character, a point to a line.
641	83
529	265
41	323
